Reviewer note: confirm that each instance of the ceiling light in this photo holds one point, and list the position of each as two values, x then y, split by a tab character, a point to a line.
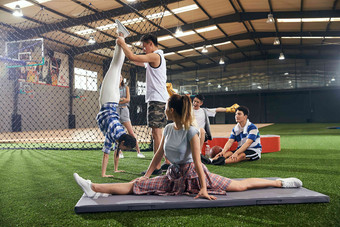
92	40
276	41
206	29
220	44
290	81
197	79
17	11
185	34
286	73
292	20
270	19
333	79
209	83
204	50
183	51
226	89
282	56
221	61
131	0
179	30
310	37
219	86
185	9
22	3
170	53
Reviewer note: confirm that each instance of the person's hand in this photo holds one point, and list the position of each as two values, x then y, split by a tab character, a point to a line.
120	41
119	171
107	175
220	154
204	194
140	178
233	157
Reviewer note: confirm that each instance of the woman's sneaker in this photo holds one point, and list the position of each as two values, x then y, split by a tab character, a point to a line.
291	182
122	29
85	185
140	155
165	167
219	161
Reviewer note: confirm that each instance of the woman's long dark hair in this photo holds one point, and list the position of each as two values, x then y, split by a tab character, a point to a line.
183	108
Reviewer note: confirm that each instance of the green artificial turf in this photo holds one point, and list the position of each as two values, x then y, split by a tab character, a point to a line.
37	187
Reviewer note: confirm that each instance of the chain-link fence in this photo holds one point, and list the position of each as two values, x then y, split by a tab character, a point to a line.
51	69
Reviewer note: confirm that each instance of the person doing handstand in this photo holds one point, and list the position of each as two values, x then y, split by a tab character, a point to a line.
108	118
186	175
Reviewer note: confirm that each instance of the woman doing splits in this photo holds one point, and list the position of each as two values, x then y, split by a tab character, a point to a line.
186	175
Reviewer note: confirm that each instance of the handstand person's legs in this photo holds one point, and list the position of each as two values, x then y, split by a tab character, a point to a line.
109	91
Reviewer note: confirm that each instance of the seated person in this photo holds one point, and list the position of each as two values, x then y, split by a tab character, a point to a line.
186	175
246	135
202	117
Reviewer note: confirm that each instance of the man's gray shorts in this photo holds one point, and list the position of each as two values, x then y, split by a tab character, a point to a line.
124	114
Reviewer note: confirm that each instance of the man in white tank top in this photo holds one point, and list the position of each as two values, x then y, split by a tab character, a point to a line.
156	93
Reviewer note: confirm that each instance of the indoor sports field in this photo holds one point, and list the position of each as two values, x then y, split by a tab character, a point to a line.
38	188
278	58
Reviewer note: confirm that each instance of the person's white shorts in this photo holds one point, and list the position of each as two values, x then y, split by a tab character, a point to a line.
124	114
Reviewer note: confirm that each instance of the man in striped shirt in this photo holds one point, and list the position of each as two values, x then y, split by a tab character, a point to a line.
247	135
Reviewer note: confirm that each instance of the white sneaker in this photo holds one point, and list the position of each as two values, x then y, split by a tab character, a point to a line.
98	194
140	155
85	185
121	155
122	29
291	182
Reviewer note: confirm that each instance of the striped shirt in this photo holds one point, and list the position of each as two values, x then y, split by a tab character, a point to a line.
108	122
249	131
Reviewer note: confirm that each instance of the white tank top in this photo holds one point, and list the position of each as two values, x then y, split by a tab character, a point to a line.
156	81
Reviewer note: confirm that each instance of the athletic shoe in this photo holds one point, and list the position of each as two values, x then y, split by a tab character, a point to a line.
291	182
121	155
205	160
140	155
121	29
98	194
219	161
156	172
85	185
165	167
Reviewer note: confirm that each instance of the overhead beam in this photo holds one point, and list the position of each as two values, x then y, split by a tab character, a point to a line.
257	58
255	48
253	35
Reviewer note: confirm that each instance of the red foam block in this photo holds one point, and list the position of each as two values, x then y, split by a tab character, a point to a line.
270	143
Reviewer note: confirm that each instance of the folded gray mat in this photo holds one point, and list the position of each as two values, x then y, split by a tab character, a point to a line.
266	196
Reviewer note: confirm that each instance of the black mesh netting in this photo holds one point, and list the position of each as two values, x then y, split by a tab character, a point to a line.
50	75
